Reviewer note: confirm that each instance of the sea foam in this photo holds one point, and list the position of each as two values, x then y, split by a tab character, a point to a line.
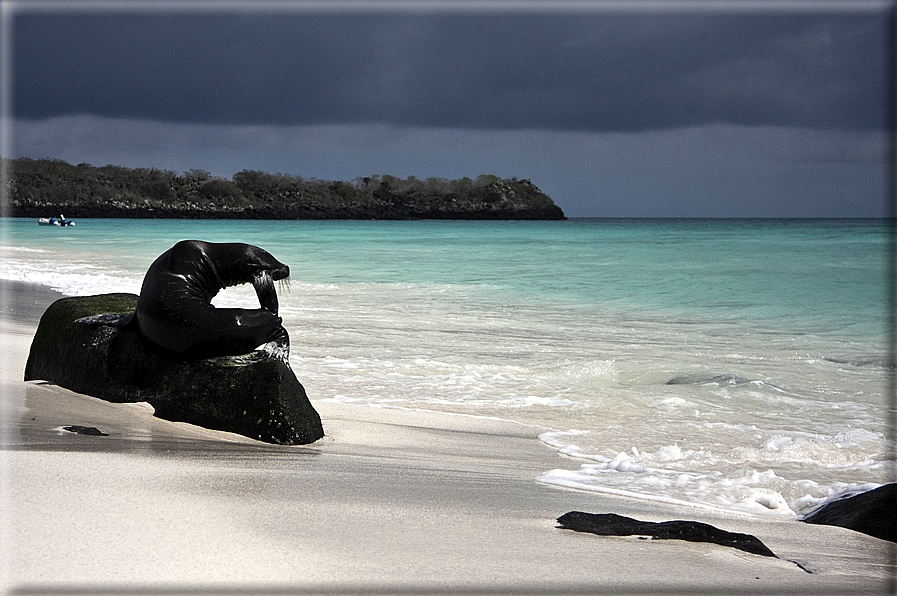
672	474
71	279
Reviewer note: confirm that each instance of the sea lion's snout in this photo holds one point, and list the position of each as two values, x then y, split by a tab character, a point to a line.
281	273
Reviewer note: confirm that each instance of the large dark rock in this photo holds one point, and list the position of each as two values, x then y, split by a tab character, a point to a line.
255	395
873	512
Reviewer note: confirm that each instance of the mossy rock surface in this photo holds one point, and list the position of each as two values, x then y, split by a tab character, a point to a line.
254	395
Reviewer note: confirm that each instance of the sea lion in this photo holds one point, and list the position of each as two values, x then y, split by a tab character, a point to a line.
174	310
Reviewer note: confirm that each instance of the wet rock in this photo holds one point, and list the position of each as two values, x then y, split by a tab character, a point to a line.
611	524
873	512
85	430
255	395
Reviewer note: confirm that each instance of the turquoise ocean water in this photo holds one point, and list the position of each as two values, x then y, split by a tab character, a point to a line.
728	364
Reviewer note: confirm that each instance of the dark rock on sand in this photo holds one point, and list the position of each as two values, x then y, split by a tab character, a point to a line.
873	512
611	524
255	395
85	430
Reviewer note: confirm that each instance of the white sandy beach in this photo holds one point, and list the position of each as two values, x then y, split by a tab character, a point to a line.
390	501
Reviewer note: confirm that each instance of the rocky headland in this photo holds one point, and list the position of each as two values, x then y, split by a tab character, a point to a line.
44	188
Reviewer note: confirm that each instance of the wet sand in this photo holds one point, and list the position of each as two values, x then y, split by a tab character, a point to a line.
389	502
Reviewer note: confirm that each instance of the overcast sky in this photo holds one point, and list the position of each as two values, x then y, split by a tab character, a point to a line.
662	109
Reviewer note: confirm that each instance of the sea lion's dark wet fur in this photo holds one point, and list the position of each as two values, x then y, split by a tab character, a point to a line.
174	309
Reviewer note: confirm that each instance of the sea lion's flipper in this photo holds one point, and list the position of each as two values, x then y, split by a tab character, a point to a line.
230	332
264	289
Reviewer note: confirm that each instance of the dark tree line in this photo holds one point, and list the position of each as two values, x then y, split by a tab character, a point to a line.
46	187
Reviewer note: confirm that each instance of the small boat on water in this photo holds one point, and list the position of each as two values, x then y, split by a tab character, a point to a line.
52	221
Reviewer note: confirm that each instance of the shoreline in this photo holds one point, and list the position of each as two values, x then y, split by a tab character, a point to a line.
390	500
24	302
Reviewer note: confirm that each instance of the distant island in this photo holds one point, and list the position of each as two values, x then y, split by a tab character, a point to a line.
48	187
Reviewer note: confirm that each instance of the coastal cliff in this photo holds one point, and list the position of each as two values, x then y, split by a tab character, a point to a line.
43	188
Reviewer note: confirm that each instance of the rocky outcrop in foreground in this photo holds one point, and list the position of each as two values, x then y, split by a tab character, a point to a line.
44	188
611	524
873	512
255	395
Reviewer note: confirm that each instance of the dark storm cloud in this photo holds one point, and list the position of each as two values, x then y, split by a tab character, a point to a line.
588	72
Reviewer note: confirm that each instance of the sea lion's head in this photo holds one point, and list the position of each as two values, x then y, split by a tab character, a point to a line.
236	263
255	261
